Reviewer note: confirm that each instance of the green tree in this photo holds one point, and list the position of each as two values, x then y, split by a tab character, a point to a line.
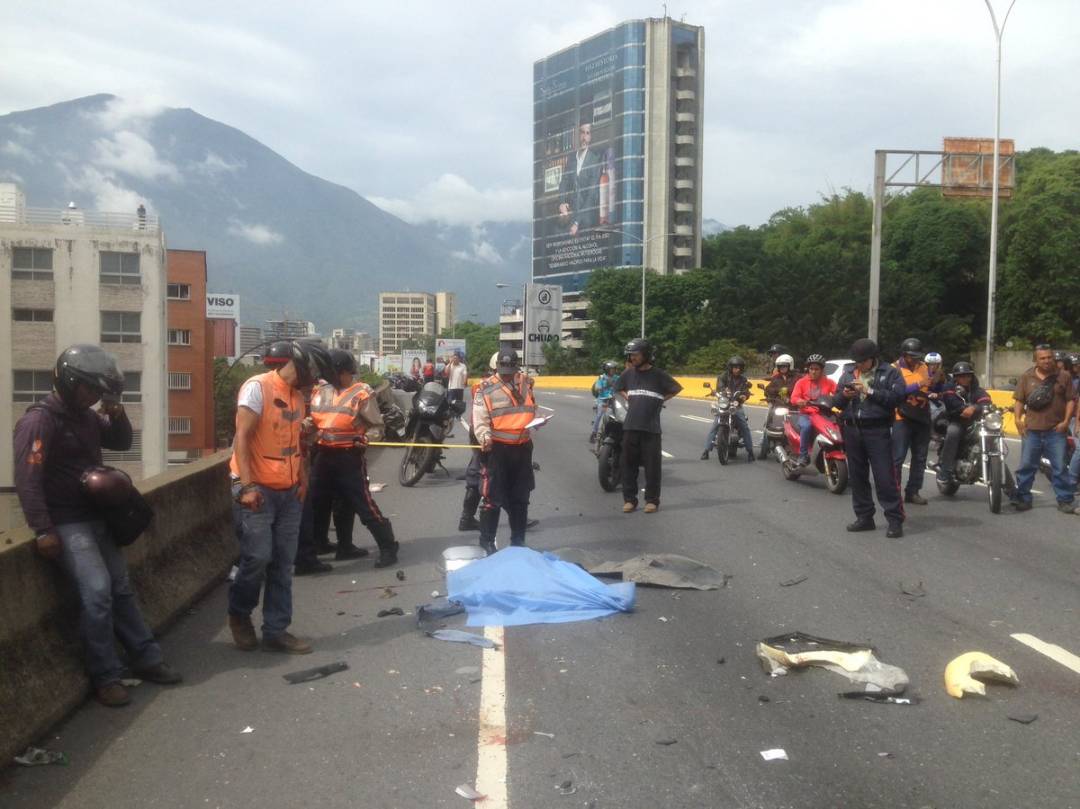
227	382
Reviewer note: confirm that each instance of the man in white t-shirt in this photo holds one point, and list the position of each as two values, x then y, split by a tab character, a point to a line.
457	379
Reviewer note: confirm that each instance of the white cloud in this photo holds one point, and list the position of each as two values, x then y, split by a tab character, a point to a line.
453	200
129	112
9	176
256	233
109	194
18	151
214	165
132	154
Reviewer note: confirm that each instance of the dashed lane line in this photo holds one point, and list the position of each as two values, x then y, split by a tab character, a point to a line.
1051	650
695	418
491	768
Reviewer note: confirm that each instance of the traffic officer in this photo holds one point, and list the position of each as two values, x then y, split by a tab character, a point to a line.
342	412
501	414
268	482
867	397
473	471
912	428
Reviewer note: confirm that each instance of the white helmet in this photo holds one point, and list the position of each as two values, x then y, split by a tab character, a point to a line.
933	358
785	359
494	363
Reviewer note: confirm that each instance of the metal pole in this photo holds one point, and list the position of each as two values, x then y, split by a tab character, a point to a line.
524	326
643	291
875	244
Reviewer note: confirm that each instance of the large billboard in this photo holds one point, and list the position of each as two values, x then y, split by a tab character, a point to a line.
222	306
589	126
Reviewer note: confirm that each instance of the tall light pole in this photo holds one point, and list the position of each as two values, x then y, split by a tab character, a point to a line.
991	298
642	242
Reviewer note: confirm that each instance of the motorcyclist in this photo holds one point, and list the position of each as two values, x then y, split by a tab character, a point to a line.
735	382
774	351
964	400
1063	360
814	387
603	390
936	372
782	380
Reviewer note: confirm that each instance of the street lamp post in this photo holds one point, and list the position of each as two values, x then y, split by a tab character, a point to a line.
642	242
999	33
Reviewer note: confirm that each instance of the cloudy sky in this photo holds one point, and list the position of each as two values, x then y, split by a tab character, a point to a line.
426	107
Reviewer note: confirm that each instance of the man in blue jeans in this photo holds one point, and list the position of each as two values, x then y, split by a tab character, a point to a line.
1044	406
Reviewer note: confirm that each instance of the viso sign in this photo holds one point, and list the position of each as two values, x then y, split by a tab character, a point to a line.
222	306
543	321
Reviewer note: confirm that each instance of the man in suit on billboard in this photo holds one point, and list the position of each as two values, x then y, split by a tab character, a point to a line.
579	191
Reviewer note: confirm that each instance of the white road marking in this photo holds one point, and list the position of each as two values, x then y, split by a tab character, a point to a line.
1054	652
695	418
573	396
491	769
666	454
552	409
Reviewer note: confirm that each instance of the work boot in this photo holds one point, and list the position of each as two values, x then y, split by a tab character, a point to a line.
488	546
243	633
1022	505
468	523
350	552
287	644
651	508
629	506
312	568
915	499
388	546
161	674
895	531
387	555
862	524
112	695
329	547
531	524
705	455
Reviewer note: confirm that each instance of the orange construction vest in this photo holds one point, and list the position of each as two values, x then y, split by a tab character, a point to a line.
275	447
337	414
511	409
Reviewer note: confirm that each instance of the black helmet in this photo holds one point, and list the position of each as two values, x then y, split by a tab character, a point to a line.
610	367
639	345
341	360
736	362
864	349
912	347
312	362
508	362
962	367
108	487
816	359
1074	358
777	348
279	354
91	365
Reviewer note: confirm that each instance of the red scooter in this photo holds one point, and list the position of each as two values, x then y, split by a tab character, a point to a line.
826	456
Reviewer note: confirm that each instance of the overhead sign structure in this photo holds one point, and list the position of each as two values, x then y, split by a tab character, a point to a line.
543	321
222	306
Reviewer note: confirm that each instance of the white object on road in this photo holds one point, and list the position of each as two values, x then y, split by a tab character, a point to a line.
776	754
460	555
377	487
961	674
666	454
248	729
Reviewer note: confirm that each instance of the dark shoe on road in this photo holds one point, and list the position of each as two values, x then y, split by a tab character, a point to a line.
329	547
287	644
1068	507
387	556
705	455
895	531
750	456
1022	505
243	633
112	695
943	476
915	498
488	547
161	674
468	524
350	552
531	524
312	568
861	525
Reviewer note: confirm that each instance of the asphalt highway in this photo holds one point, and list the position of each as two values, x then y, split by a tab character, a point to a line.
663	707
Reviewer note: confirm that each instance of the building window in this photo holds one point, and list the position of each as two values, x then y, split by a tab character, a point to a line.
121	327
132	387
178	292
179	425
179	337
32	263
179	380
31	386
120	268
132	455
32	315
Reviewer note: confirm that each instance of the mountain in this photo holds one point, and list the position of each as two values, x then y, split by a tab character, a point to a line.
710	227
284	240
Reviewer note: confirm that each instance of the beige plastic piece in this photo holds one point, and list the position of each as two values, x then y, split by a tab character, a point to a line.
962	675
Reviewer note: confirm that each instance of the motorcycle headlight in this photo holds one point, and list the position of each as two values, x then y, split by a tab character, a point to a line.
993	421
428	408
723	402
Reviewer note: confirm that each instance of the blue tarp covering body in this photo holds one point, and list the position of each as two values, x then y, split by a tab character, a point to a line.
518	586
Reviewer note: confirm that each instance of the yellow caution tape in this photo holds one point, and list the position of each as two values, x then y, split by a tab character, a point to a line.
419	444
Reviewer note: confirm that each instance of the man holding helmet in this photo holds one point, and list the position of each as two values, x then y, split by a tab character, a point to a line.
912	429
963	400
645	389
735	382
57	441
268	482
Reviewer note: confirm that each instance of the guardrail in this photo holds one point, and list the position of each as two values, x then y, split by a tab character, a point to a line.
76	217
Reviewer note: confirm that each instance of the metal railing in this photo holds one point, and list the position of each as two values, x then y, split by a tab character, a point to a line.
77	217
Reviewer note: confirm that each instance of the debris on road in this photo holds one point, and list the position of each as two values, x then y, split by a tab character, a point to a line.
793	582
471	794
1023	718
721	661
667	742
662	619
912	591
542	733
343	592
388	592
776	754
391	611
400	575
38	756
377	487
885	755
437	611
566	787
248	729
963	674
519	586
856	662
652	569
317	673
131	682
457	636
886	699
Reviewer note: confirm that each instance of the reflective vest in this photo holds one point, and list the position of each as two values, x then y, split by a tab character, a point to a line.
913	406
337	414
511	409
275	446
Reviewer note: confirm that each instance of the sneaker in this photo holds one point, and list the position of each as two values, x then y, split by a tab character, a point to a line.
112	695
387	556
287	644
915	498
651	508
861	525
1066	507
895	531
468	524
312	568
629	506
350	552
161	674
1021	505
705	455
243	633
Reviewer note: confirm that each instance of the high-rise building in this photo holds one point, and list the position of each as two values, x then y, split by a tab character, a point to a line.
289	329
250	337
617	153
403	316
351	340
190	357
72	276
445	312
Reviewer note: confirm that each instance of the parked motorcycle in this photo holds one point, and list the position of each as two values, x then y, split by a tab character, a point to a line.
1044	463
424	418
723	410
773	432
608	446
827	456
980	458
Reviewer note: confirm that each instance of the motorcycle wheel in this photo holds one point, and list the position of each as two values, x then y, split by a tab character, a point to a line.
414	464
608	468
995	485
788	468
836	476
723	446
766	448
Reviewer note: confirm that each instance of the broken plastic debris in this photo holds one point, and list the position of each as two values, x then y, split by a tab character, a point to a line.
776	754
248	729
667	742
545	735
467	791
458	636
655	569
793	582
662	618
857	663
377	487
317	673
880	696
566	787
400	575
962	675
391	611
38	756
388	592
1024	718
912	591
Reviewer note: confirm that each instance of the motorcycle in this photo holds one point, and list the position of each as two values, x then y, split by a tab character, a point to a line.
827	456
980	458
1047	468
424	418
723	410
608	447
773	432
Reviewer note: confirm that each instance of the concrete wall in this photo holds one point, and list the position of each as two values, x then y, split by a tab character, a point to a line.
187	550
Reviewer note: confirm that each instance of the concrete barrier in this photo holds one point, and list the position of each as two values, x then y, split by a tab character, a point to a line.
187	550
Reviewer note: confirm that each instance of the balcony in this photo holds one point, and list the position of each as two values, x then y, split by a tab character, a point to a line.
683	184
685	117
684	230
684	161
687	252
684	207
685	95
685	72
685	140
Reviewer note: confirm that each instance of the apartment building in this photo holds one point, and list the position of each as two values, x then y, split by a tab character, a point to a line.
190	357
403	316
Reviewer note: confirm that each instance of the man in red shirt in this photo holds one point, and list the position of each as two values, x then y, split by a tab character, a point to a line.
814	387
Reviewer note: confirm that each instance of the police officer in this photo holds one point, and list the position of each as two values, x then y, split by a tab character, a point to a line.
501	414
911	432
473	471
867	397
342	411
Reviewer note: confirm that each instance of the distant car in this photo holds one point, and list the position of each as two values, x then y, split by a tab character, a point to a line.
834	369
